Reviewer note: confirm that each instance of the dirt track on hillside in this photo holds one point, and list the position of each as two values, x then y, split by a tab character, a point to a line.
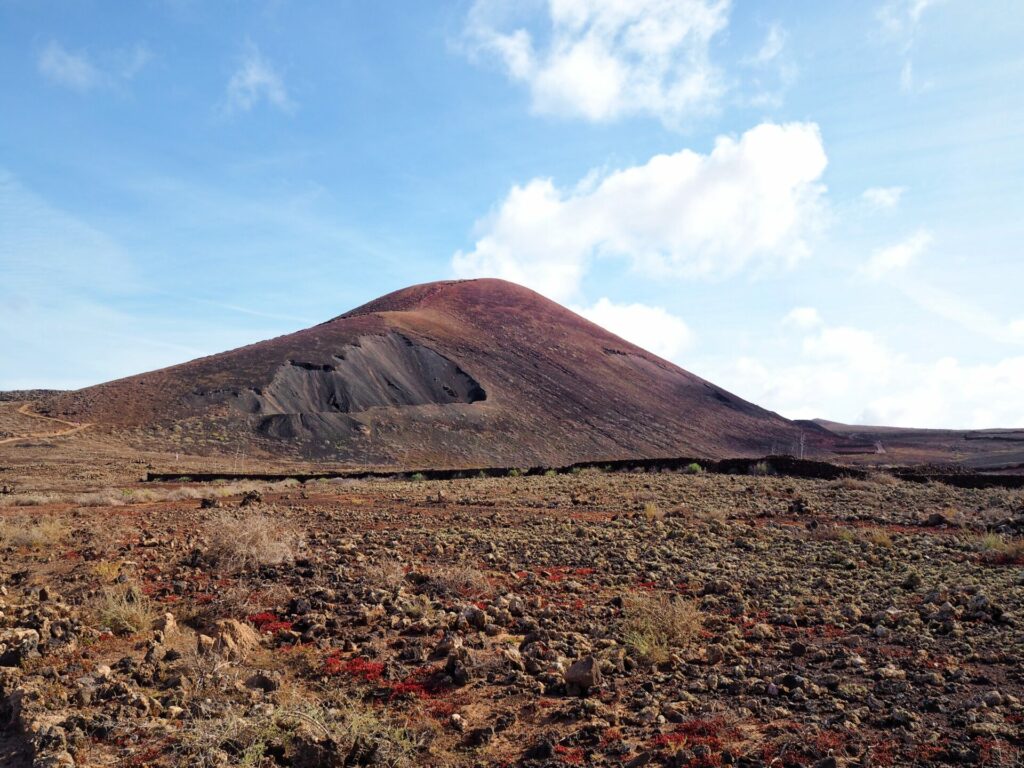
25	410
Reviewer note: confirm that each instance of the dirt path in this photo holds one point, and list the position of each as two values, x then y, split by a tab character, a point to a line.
72	427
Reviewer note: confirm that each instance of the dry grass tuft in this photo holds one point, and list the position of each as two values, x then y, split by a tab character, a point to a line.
110	497
248	541
461	580
999	549
878	538
107	571
22	532
307	733
28	499
387	574
653	626
652	513
126	610
883	478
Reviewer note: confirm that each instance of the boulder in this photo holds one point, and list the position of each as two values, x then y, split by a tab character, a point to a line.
584	674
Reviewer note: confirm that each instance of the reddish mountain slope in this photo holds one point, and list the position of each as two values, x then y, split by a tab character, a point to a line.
463	373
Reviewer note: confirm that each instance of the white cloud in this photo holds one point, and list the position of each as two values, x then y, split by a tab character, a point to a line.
72	70
900	20
134	60
256	80
602	59
897	257
771	70
849	374
79	72
653	328
802	317
750	202
773	44
884	198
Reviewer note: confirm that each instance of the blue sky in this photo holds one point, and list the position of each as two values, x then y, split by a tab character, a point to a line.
815	205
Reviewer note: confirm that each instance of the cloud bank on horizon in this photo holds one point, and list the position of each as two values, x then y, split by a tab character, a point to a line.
811	209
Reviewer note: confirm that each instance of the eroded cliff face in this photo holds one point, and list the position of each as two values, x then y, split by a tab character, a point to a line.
388	370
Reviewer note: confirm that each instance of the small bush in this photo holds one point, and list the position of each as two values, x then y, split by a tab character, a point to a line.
515	472
125	610
694	468
417	477
761	469
240	543
652	626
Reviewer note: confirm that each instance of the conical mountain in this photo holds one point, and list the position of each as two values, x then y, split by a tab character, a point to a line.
456	373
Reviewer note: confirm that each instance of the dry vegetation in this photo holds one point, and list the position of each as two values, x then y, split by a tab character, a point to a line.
125	610
683	619
655	626
243	540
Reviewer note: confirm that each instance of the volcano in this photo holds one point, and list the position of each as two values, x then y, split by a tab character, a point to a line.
456	373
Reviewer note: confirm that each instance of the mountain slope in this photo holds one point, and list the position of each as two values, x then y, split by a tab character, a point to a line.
459	373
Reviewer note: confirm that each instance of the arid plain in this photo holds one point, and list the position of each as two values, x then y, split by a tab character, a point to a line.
582	618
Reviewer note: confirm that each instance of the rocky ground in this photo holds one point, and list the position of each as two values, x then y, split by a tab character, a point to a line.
583	619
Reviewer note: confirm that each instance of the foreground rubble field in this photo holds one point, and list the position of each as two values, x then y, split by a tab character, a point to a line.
586	619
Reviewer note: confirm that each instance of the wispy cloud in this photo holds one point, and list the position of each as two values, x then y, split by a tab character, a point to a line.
900	21
256	80
772	70
82	72
898	256
773	45
71	70
883	198
133	60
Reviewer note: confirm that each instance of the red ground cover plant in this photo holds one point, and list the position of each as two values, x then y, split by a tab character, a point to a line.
997	752
370	671
570	755
713	734
884	753
269	623
610	736
423	683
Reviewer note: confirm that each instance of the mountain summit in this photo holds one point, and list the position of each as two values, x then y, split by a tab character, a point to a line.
454	373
